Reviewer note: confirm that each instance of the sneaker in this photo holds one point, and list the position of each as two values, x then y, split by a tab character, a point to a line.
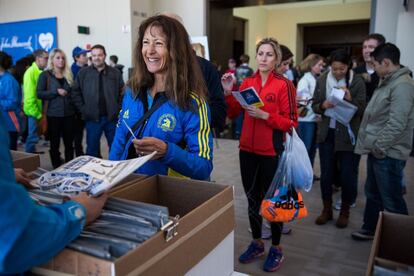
339	203
254	251
274	259
363	235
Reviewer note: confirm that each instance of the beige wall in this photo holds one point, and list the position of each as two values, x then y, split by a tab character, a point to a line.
256	28
281	21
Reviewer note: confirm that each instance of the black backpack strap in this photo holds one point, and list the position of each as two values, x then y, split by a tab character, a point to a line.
159	100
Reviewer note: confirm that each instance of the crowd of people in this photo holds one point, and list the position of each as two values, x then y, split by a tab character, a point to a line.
175	101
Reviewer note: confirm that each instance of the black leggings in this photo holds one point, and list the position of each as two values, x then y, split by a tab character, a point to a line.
257	172
60	127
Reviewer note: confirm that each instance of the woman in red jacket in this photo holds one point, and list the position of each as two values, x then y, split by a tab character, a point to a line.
261	142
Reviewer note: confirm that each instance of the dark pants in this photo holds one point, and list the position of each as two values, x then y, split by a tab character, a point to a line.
60	127
79	126
257	172
347	163
383	189
13	140
94	132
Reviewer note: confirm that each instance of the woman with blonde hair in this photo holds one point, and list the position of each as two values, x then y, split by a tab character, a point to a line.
313	66
54	87
261	143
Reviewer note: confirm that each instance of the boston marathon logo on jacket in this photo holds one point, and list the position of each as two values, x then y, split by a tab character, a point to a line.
167	122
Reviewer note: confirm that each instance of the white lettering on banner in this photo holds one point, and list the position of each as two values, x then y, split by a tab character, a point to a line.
14	43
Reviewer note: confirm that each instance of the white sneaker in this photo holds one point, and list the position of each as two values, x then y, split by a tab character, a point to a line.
339	203
266	232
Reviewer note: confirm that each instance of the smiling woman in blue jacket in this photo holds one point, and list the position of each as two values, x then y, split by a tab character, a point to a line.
10	99
167	79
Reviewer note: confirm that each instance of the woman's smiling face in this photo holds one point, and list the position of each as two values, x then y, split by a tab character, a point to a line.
154	50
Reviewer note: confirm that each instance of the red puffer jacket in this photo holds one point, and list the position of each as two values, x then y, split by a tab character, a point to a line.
265	137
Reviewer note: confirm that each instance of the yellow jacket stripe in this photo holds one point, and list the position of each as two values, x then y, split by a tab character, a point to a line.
204	131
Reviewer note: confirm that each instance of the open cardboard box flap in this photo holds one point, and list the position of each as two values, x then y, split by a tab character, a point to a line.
26	161
206	213
393	240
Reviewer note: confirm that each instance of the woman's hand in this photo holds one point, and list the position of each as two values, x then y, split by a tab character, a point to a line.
227	81
347	95
256	112
147	145
327	104
23	178
62	92
92	205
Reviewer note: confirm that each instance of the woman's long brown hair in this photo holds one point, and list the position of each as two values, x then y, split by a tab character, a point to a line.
183	73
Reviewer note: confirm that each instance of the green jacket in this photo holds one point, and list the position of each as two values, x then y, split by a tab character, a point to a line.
32	106
388	122
342	139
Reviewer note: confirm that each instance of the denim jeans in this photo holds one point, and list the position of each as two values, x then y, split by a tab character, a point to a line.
94	132
383	189
347	170
32	137
307	131
238	122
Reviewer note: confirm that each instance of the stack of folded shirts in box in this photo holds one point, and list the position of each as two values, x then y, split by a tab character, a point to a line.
122	226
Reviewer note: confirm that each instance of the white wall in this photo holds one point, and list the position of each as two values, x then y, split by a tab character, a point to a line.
104	17
193	13
386	18
140	10
256	28
396	24
405	40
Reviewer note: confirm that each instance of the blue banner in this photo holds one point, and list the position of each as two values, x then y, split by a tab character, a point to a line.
19	39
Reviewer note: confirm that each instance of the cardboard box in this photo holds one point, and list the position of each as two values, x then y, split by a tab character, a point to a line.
26	161
129	180
393	245
206	213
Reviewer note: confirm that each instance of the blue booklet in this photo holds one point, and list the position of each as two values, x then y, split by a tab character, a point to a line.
248	96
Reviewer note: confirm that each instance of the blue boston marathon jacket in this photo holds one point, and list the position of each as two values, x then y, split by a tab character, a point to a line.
30	234
187	133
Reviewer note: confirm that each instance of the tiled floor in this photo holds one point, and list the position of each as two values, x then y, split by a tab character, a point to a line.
309	249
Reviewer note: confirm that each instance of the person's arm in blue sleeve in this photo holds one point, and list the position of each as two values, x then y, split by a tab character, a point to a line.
118	144
31	234
9	96
196	161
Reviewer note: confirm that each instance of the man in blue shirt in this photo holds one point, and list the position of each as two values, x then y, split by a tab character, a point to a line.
31	234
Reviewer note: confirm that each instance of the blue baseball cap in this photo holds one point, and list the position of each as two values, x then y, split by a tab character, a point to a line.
77	51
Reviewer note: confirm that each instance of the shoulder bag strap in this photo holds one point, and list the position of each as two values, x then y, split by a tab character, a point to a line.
161	100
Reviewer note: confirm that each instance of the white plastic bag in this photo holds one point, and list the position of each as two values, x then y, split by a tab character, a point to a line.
301	172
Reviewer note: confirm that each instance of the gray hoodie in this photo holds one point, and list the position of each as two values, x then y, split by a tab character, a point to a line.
388	122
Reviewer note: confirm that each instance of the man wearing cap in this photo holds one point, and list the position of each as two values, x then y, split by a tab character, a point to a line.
97	95
80	60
